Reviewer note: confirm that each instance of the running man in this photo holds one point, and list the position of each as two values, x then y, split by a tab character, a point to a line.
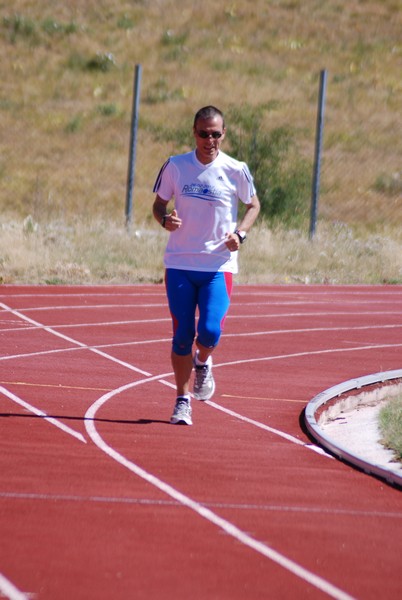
201	254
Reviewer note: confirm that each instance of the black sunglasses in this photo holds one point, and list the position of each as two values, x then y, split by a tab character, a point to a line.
214	134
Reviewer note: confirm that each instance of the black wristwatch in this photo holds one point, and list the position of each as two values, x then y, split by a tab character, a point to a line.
242	235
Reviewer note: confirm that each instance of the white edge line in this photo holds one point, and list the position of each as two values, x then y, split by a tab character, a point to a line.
9	590
201	510
286	436
40	413
232	413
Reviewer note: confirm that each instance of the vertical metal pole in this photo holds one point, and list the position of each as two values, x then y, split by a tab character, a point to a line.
133	145
317	157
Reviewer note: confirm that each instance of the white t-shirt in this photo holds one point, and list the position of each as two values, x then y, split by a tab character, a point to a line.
206	199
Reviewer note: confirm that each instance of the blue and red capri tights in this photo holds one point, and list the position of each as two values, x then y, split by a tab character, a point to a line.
187	290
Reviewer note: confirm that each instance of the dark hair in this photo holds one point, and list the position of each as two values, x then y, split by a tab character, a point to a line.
208	112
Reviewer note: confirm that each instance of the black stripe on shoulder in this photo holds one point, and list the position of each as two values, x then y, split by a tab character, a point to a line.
159	178
246	172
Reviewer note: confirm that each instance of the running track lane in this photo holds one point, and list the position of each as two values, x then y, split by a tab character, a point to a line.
101	498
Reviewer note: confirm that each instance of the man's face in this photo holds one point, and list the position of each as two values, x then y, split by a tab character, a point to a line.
207	146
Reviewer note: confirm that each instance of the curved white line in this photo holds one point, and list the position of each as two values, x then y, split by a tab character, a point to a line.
9	590
201	510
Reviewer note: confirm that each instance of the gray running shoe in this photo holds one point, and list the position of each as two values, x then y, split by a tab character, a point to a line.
182	413
204	383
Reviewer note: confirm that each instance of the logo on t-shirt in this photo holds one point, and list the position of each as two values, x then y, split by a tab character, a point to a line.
201	191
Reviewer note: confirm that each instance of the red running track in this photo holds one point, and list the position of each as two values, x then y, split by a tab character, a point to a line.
101	498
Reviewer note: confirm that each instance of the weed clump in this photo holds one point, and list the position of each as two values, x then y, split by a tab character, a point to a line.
391	425
282	176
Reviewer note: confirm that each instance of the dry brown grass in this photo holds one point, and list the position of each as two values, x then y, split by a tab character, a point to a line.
102	251
65	128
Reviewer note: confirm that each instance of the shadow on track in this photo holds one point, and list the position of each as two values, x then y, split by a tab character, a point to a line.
69	418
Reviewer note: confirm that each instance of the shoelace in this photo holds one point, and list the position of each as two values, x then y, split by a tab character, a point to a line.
182	405
201	373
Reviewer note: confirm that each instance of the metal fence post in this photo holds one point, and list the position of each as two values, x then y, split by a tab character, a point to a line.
317	157
133	145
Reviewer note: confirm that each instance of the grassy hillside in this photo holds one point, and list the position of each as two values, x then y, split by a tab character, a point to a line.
67	78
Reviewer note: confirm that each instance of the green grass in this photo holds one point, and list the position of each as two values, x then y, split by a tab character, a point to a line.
391	426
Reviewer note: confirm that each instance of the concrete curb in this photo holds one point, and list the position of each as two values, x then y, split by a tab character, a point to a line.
334	446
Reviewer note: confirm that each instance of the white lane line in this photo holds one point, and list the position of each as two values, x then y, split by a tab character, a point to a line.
87	325
314	330
91	307
242	317
40	413
369	514
94	348
134	291
326	313
313	447
307	353
243	361
73	341
96	499
84	347
198	508
332	306
318	290
8	590
230	317
217	406
286	436
86	294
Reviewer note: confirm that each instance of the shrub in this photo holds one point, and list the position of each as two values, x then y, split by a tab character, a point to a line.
101	61
282	177
389	184
160	91
125	22
19	26
108	110
52	27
